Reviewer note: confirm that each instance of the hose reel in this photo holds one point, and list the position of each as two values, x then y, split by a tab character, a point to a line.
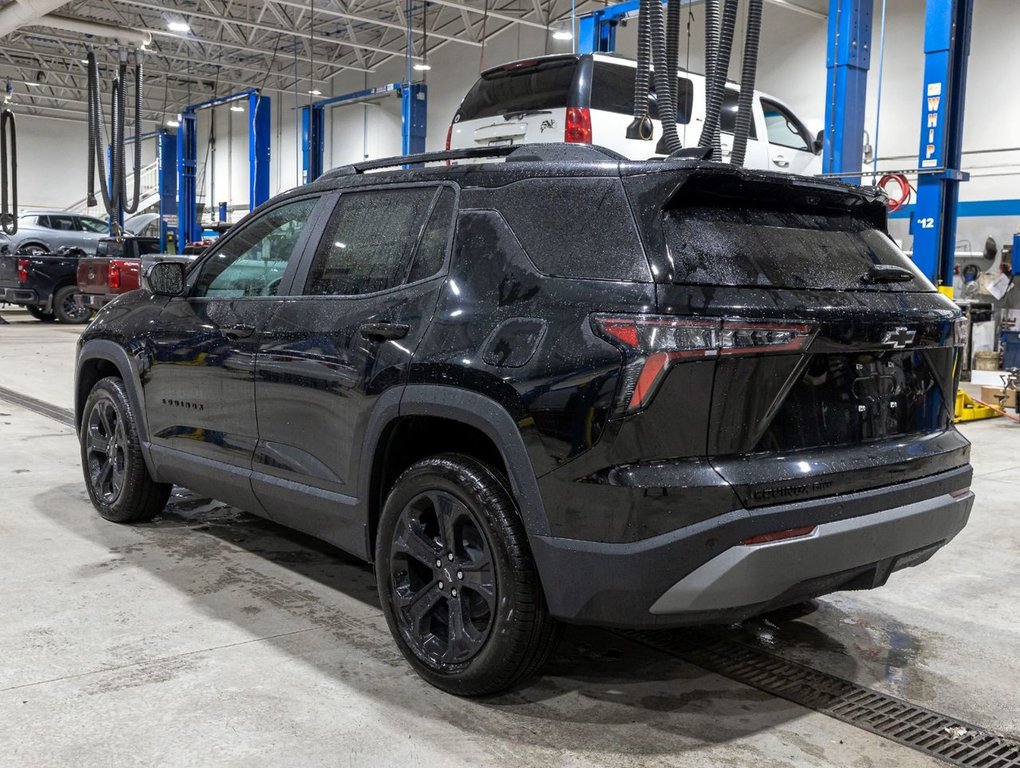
113	182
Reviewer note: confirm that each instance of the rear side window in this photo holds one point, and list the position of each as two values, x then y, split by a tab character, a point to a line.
522	88
612	90
779	249
431	253
369	240
578	227
728	114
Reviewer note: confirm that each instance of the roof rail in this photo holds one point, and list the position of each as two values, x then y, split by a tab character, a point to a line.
548	152
466	153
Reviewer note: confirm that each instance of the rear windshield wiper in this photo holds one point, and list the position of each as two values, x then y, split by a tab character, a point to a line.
887	273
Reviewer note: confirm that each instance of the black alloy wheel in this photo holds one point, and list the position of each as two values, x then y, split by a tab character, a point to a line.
456	578
116	477
67	310
442	578
105	451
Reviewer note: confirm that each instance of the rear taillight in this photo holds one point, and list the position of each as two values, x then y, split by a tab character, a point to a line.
652	343
789	533
961	328
23	270
578	127
449	137
113	275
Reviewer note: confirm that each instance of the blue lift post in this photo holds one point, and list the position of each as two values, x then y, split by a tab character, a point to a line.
847	60
259	127
166	171
413	112
946	50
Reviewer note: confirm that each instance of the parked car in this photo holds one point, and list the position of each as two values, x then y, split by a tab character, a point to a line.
563	386
44	283
589	99
49	231
115	269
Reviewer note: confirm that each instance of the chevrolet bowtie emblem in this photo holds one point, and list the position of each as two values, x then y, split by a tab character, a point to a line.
898	338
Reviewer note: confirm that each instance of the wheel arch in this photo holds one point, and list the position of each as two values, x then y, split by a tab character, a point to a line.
458	421
97	359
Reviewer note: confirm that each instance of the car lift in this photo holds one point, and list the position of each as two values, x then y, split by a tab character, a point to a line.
413	110
259	128
946	48
166	171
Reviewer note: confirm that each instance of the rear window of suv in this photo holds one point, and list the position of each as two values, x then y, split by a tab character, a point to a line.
612	90
520	88
737	246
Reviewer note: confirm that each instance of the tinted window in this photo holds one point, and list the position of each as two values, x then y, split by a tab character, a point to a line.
93	225
575	227
431	251
612	90
737	246
60	223
728	114
369	240
784	129
252	261
537	86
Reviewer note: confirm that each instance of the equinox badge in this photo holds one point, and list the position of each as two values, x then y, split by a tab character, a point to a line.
898	338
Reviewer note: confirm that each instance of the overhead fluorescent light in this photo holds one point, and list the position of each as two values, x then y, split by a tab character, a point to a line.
178	26
34	85
237	108
315	92
173	123
422	67
563	34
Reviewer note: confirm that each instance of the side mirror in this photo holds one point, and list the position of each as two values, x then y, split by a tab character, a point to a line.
818	143
165	278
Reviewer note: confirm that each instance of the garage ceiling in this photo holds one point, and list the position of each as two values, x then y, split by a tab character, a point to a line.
278	45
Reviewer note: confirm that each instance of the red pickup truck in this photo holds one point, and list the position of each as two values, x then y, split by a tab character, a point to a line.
116	269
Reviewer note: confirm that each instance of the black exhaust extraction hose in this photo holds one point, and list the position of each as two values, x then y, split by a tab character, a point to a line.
712	12
667	108
8	173
748	73
96	152
641	127
720	69
673	18
137	187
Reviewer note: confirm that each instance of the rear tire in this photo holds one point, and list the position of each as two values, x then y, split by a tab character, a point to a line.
118	482
66	309
40	314
457	581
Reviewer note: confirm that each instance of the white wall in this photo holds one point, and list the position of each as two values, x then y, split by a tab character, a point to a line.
791	66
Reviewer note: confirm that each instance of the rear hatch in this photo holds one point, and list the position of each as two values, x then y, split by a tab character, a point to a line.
835	359
522	102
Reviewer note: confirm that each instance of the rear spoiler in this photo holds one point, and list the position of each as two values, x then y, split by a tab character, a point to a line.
719	187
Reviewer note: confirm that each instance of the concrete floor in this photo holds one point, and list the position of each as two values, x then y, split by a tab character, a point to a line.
210	637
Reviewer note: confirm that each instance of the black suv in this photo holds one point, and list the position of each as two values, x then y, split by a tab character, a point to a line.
563	385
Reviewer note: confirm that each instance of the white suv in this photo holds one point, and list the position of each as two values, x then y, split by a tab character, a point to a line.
589	99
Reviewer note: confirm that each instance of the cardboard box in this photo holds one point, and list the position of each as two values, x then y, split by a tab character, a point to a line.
991	396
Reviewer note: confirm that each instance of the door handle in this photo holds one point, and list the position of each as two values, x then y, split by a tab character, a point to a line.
237	330
383	331
781	161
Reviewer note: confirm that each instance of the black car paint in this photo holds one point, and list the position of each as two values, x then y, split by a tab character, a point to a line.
289	416
47	273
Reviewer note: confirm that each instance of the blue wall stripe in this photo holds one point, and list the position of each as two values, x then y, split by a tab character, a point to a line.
971	208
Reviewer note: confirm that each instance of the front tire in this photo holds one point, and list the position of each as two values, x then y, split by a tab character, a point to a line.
116	477
457	581
40	314
66	309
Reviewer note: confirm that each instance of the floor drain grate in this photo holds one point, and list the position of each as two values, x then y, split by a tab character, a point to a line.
947	738
63	415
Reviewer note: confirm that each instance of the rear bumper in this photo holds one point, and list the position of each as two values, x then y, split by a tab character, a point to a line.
19	296
688	577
